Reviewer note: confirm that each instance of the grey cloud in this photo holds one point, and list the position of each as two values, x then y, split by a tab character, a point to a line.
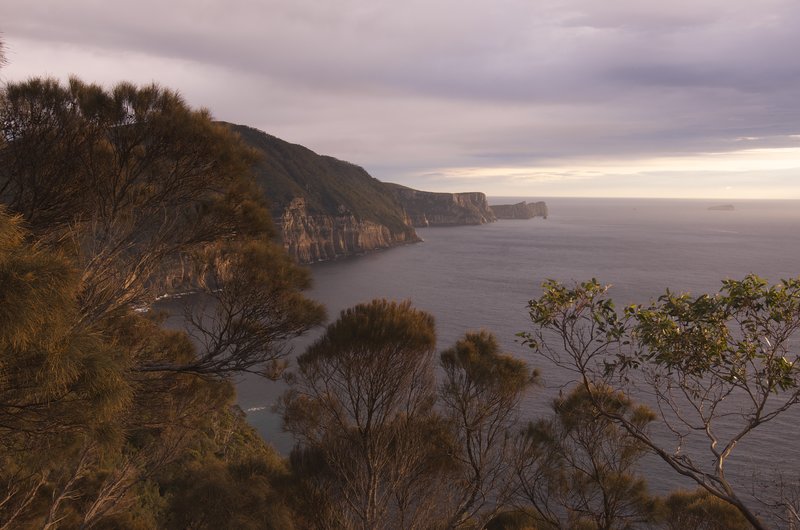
508	50
405	87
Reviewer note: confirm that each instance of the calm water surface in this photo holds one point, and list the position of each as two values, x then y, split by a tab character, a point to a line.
482	276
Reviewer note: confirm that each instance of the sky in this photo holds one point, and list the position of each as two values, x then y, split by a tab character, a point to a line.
529	98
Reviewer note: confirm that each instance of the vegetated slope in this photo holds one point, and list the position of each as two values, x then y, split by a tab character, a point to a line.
325	208
329	185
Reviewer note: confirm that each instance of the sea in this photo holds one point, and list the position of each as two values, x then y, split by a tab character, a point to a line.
481	277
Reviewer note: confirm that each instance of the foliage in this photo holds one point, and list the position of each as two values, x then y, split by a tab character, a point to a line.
144	193
379	447
59	384
699	510
126	181
87	440
578	469
512	520
251	307
237	482
717	366
108	420
480	395
361	403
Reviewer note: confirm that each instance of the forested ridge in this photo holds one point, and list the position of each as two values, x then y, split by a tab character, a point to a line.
108	420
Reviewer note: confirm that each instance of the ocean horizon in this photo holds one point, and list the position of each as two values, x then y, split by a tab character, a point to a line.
481	277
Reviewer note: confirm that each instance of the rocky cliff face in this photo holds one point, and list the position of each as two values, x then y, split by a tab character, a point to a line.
426	208
324	208
521	210
311	237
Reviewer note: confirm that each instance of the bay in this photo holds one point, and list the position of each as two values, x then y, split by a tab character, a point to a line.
474	277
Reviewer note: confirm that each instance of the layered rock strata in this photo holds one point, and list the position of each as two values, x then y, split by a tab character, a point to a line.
310	237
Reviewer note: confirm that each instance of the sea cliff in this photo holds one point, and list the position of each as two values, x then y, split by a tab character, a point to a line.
312	237
324	208
426	208
520	210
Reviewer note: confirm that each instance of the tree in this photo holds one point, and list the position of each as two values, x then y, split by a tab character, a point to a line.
578	469
146	194
361	404
238	482
379	446
480	395
87	440
127	180
124	195
716	367
60	384
251	307
699	510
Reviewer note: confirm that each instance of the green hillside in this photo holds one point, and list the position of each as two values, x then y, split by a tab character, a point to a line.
329	186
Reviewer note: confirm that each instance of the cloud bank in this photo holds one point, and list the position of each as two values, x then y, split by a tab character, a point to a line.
506	96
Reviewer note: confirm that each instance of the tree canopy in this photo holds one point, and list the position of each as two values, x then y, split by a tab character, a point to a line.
381	446
716	367
362	401
480	397
147	195
578	469
111	198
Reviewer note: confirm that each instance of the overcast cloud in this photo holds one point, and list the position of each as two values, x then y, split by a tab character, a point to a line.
510	97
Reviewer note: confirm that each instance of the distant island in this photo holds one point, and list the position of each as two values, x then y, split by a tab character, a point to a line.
722	207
